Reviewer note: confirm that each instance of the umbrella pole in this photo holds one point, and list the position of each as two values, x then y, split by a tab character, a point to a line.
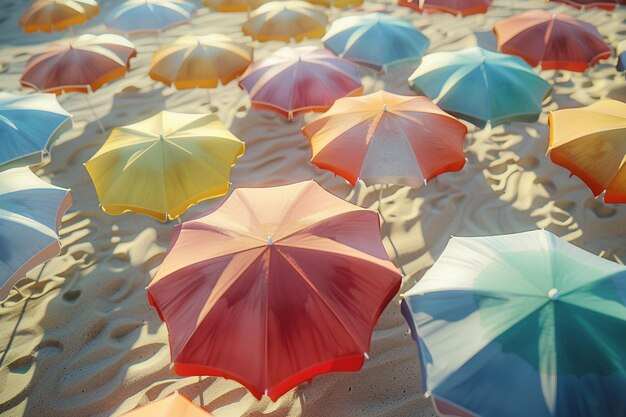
93	110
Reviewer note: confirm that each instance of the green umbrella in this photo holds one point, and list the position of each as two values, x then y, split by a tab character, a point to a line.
522	325
481	86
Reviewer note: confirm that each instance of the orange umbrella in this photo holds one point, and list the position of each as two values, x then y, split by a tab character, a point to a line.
556	41
175	405
233	5
591	143
286	20
455	7
56	15
385	138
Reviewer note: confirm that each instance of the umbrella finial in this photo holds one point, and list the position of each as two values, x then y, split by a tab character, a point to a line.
553	294
270	241
385	107
161	137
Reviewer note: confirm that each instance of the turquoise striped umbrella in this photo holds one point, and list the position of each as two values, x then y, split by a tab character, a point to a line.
481	86
522	325
29	125
30	214
376	40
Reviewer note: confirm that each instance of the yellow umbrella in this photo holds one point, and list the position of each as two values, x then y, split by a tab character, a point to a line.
56	15
233	5
591	143
163	165
200	61
337	3
286	20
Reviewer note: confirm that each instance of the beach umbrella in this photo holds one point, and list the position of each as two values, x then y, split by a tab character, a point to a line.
57	15
143	17
455	7
522	325
200	61
174	405
376	40
481	86
298	80
337	3
591	143
588	4
30	215
273	287
163	165
621	56
554	41
385	138
29	125
286	20
233	5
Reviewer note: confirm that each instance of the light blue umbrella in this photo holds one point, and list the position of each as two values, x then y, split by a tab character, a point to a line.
522	325
141	17
30	214
376	40
481	86
29	125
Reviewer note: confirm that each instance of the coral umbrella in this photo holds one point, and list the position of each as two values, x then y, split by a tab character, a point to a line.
522	325
233	5
200	61
174	405
286	20
588	4
57	15
290	280
29	125
385	138
298	80
455	7
481	86
376	40
554	41
144	17
591	143
163	165
30	214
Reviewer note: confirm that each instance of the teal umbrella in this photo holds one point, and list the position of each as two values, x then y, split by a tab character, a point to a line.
29	125
481	86
376	40
522	325
30	214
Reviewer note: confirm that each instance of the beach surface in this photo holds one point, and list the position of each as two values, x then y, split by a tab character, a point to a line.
79	338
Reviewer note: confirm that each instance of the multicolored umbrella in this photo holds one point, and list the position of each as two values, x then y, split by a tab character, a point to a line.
376	40
30	215
83	65
554	41
522	325
591	143
481	86
200	61
298	80
286	20
141	17
455	7
233	5
385	138
588	4
163	165
174	405
57	15
290	280
29	125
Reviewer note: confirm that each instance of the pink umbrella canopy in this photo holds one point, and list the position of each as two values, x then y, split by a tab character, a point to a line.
299	80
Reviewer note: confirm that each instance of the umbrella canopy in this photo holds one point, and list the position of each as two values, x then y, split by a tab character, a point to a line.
83	65
376	40
174	405
385	138
30	214
591	143
588	4
298	80
233	5
455	7
291	280
522	325
621	56
554	41
163	165
57	15
29	125
481	86
286	20
200	61
141	17
337	3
